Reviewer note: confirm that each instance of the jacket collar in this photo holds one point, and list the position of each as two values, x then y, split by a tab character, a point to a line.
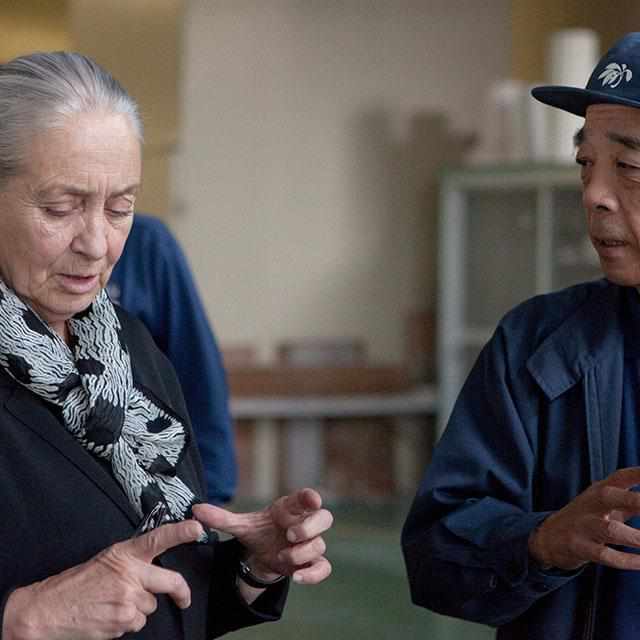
592	332
589	347
30	411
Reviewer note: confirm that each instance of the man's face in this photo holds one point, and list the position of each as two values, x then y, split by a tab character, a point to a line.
609	154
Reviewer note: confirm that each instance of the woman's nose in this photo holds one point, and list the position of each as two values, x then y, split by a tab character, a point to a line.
599	191
91	238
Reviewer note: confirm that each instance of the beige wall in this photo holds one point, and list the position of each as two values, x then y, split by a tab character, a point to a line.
304	190
534	20
139	41
28	25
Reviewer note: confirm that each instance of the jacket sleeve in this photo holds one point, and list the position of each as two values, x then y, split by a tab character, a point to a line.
228	609
465	538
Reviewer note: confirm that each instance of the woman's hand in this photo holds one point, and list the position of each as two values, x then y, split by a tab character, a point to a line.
583	531
285	538
105	597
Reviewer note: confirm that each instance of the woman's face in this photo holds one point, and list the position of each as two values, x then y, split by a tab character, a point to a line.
65	218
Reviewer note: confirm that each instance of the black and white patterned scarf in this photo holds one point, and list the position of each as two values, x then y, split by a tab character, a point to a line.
91	381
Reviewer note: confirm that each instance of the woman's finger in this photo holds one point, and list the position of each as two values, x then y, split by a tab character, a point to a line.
238	525
146	603
314	524
158	580
302	501
314	573
304	553
154	543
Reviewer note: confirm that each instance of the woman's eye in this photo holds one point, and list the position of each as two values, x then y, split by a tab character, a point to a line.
58	211
120	213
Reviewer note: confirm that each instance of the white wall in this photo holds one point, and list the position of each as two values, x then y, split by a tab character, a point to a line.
304	190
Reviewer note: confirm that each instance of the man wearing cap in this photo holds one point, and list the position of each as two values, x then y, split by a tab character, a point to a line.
527	518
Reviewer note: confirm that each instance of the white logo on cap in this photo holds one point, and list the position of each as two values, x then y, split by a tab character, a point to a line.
614	74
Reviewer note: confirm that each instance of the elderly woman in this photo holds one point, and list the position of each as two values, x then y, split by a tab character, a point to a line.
104	531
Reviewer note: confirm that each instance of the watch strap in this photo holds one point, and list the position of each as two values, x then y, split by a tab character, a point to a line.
247	576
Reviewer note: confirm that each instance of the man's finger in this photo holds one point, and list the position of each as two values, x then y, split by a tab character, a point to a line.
624	478
158	580
611	498
618	533
154	543
618	559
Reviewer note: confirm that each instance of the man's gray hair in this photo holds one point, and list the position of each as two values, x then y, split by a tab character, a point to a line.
41	90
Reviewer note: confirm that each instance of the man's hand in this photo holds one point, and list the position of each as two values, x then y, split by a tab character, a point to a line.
105	597
282	539
582	531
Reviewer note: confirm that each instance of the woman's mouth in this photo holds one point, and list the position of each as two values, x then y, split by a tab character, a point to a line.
79	283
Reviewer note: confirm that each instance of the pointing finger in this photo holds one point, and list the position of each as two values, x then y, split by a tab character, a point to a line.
154	543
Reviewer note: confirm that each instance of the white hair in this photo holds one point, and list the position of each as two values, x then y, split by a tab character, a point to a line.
41	90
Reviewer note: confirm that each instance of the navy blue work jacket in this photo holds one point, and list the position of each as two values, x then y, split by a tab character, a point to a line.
537	422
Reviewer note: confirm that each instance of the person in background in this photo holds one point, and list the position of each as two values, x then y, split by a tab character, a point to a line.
528	518
153	281
105	528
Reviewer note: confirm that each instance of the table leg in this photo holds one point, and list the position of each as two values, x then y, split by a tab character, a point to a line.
304	453
265	459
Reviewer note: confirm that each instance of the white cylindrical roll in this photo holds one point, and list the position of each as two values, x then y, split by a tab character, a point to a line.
571	57
503	129
537	126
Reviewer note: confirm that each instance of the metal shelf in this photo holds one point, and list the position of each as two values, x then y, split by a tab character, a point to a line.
506	233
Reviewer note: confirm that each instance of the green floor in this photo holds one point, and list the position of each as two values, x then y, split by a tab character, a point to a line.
367	594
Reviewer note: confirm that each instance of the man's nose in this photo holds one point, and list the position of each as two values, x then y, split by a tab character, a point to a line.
91	237
599	191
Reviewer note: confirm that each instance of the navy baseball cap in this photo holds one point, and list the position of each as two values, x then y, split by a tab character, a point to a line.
615	80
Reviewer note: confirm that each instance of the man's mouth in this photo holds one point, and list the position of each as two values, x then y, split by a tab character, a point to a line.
609	242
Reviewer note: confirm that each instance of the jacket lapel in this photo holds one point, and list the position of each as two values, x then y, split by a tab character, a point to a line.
29	410
589	348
